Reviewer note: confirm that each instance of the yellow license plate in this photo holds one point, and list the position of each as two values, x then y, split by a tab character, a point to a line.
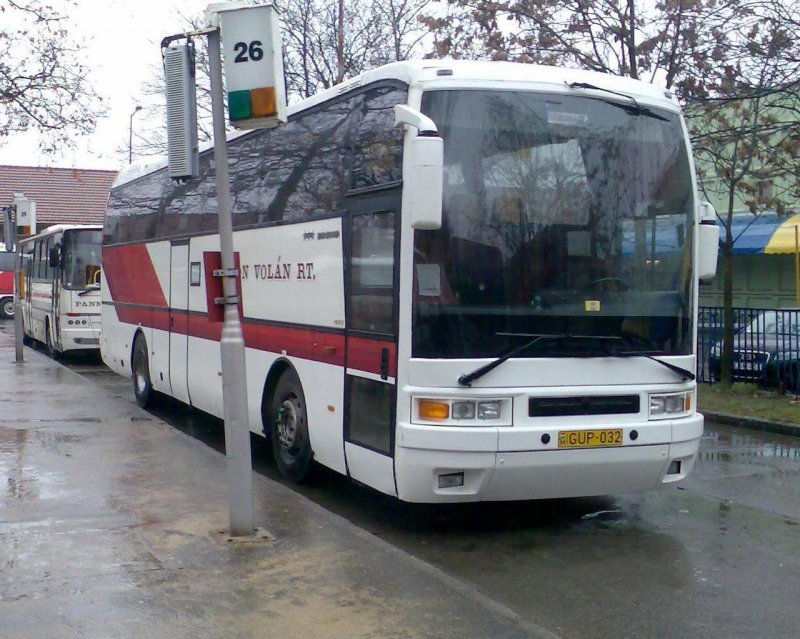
590	438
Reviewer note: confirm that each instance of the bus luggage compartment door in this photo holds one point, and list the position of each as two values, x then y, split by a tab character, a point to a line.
178	320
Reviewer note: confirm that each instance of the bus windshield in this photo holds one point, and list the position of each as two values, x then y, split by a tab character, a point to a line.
81	251
565	216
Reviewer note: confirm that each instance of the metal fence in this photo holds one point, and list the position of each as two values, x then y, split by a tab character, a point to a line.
766	346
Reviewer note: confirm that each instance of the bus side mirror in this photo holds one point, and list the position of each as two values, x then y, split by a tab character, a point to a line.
54	257
423	173
708	242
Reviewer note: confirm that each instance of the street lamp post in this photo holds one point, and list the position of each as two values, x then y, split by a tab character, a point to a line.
130	134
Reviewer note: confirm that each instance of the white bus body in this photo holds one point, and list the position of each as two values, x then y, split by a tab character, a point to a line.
60	294
569	236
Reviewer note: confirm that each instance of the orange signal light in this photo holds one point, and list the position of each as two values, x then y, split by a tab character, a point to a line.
263	103
430	409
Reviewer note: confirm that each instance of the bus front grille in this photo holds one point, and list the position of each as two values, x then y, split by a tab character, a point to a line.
583	405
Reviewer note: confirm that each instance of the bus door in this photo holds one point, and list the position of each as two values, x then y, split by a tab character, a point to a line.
53	273
179	319
371	247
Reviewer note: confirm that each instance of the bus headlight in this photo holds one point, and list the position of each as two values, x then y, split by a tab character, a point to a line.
461	412
669	405
489	410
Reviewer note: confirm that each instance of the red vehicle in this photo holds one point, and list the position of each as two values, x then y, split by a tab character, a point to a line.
6	294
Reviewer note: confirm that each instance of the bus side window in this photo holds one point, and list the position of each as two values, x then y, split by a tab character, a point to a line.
46	258
378	155
372	273
39	272
295	171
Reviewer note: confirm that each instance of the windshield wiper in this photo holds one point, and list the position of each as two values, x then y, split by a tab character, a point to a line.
649	354
90	288
635	107
685	374
467	379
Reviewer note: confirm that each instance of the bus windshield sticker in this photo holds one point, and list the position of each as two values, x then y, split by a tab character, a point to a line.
567	119
429	280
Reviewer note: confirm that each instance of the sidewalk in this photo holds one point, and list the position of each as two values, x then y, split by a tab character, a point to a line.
753	423
110	527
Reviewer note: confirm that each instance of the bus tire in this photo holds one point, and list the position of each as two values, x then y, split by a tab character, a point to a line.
27	340
140	368
291	446
52	351
7	308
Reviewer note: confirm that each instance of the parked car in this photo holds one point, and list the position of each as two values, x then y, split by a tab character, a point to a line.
766	351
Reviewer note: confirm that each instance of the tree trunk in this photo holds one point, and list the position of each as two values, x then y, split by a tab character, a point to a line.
340	44
634	71
727	305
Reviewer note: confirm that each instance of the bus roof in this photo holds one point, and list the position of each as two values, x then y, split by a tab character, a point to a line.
60	228
451	74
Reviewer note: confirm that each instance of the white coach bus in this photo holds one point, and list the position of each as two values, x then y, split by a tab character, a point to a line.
60	288
527	333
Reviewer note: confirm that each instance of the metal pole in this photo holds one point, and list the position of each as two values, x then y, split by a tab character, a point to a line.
18	308
130	134
234	385
796	268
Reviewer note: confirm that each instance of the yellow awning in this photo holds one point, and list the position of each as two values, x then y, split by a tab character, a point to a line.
783	238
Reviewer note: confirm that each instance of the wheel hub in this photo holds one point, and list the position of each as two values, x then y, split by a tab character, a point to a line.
287	424
140	381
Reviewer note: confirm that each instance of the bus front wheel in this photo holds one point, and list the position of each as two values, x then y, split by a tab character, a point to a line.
27	340
142	386
289	429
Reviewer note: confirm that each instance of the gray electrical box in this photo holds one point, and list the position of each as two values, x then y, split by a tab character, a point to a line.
182	145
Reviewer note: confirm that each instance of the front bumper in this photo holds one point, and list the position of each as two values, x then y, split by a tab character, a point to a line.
499	475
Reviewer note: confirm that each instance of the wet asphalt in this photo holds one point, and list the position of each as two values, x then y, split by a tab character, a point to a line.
717	557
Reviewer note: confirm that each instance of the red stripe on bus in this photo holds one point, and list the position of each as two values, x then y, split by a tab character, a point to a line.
131	276
363	354
305	343
150	317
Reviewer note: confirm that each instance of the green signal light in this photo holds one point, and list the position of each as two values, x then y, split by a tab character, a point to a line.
239	105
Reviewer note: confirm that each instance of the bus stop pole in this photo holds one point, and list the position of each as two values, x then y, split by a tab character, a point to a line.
234	384
18	309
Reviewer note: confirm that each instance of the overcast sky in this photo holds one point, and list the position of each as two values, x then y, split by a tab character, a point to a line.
122	44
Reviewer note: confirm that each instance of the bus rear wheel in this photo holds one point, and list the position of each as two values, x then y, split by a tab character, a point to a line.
7	308
140	364
52	351
289	429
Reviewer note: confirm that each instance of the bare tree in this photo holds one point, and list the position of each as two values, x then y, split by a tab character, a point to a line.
324	43
747	136
667	41
43	85
327	42
400	23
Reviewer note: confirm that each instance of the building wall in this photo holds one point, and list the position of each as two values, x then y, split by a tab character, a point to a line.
759	281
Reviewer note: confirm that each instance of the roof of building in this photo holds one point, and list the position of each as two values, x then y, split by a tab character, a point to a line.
62	196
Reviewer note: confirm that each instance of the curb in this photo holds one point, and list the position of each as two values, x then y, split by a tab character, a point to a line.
754	423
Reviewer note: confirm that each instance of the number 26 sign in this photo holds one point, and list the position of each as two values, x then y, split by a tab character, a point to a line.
253	63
